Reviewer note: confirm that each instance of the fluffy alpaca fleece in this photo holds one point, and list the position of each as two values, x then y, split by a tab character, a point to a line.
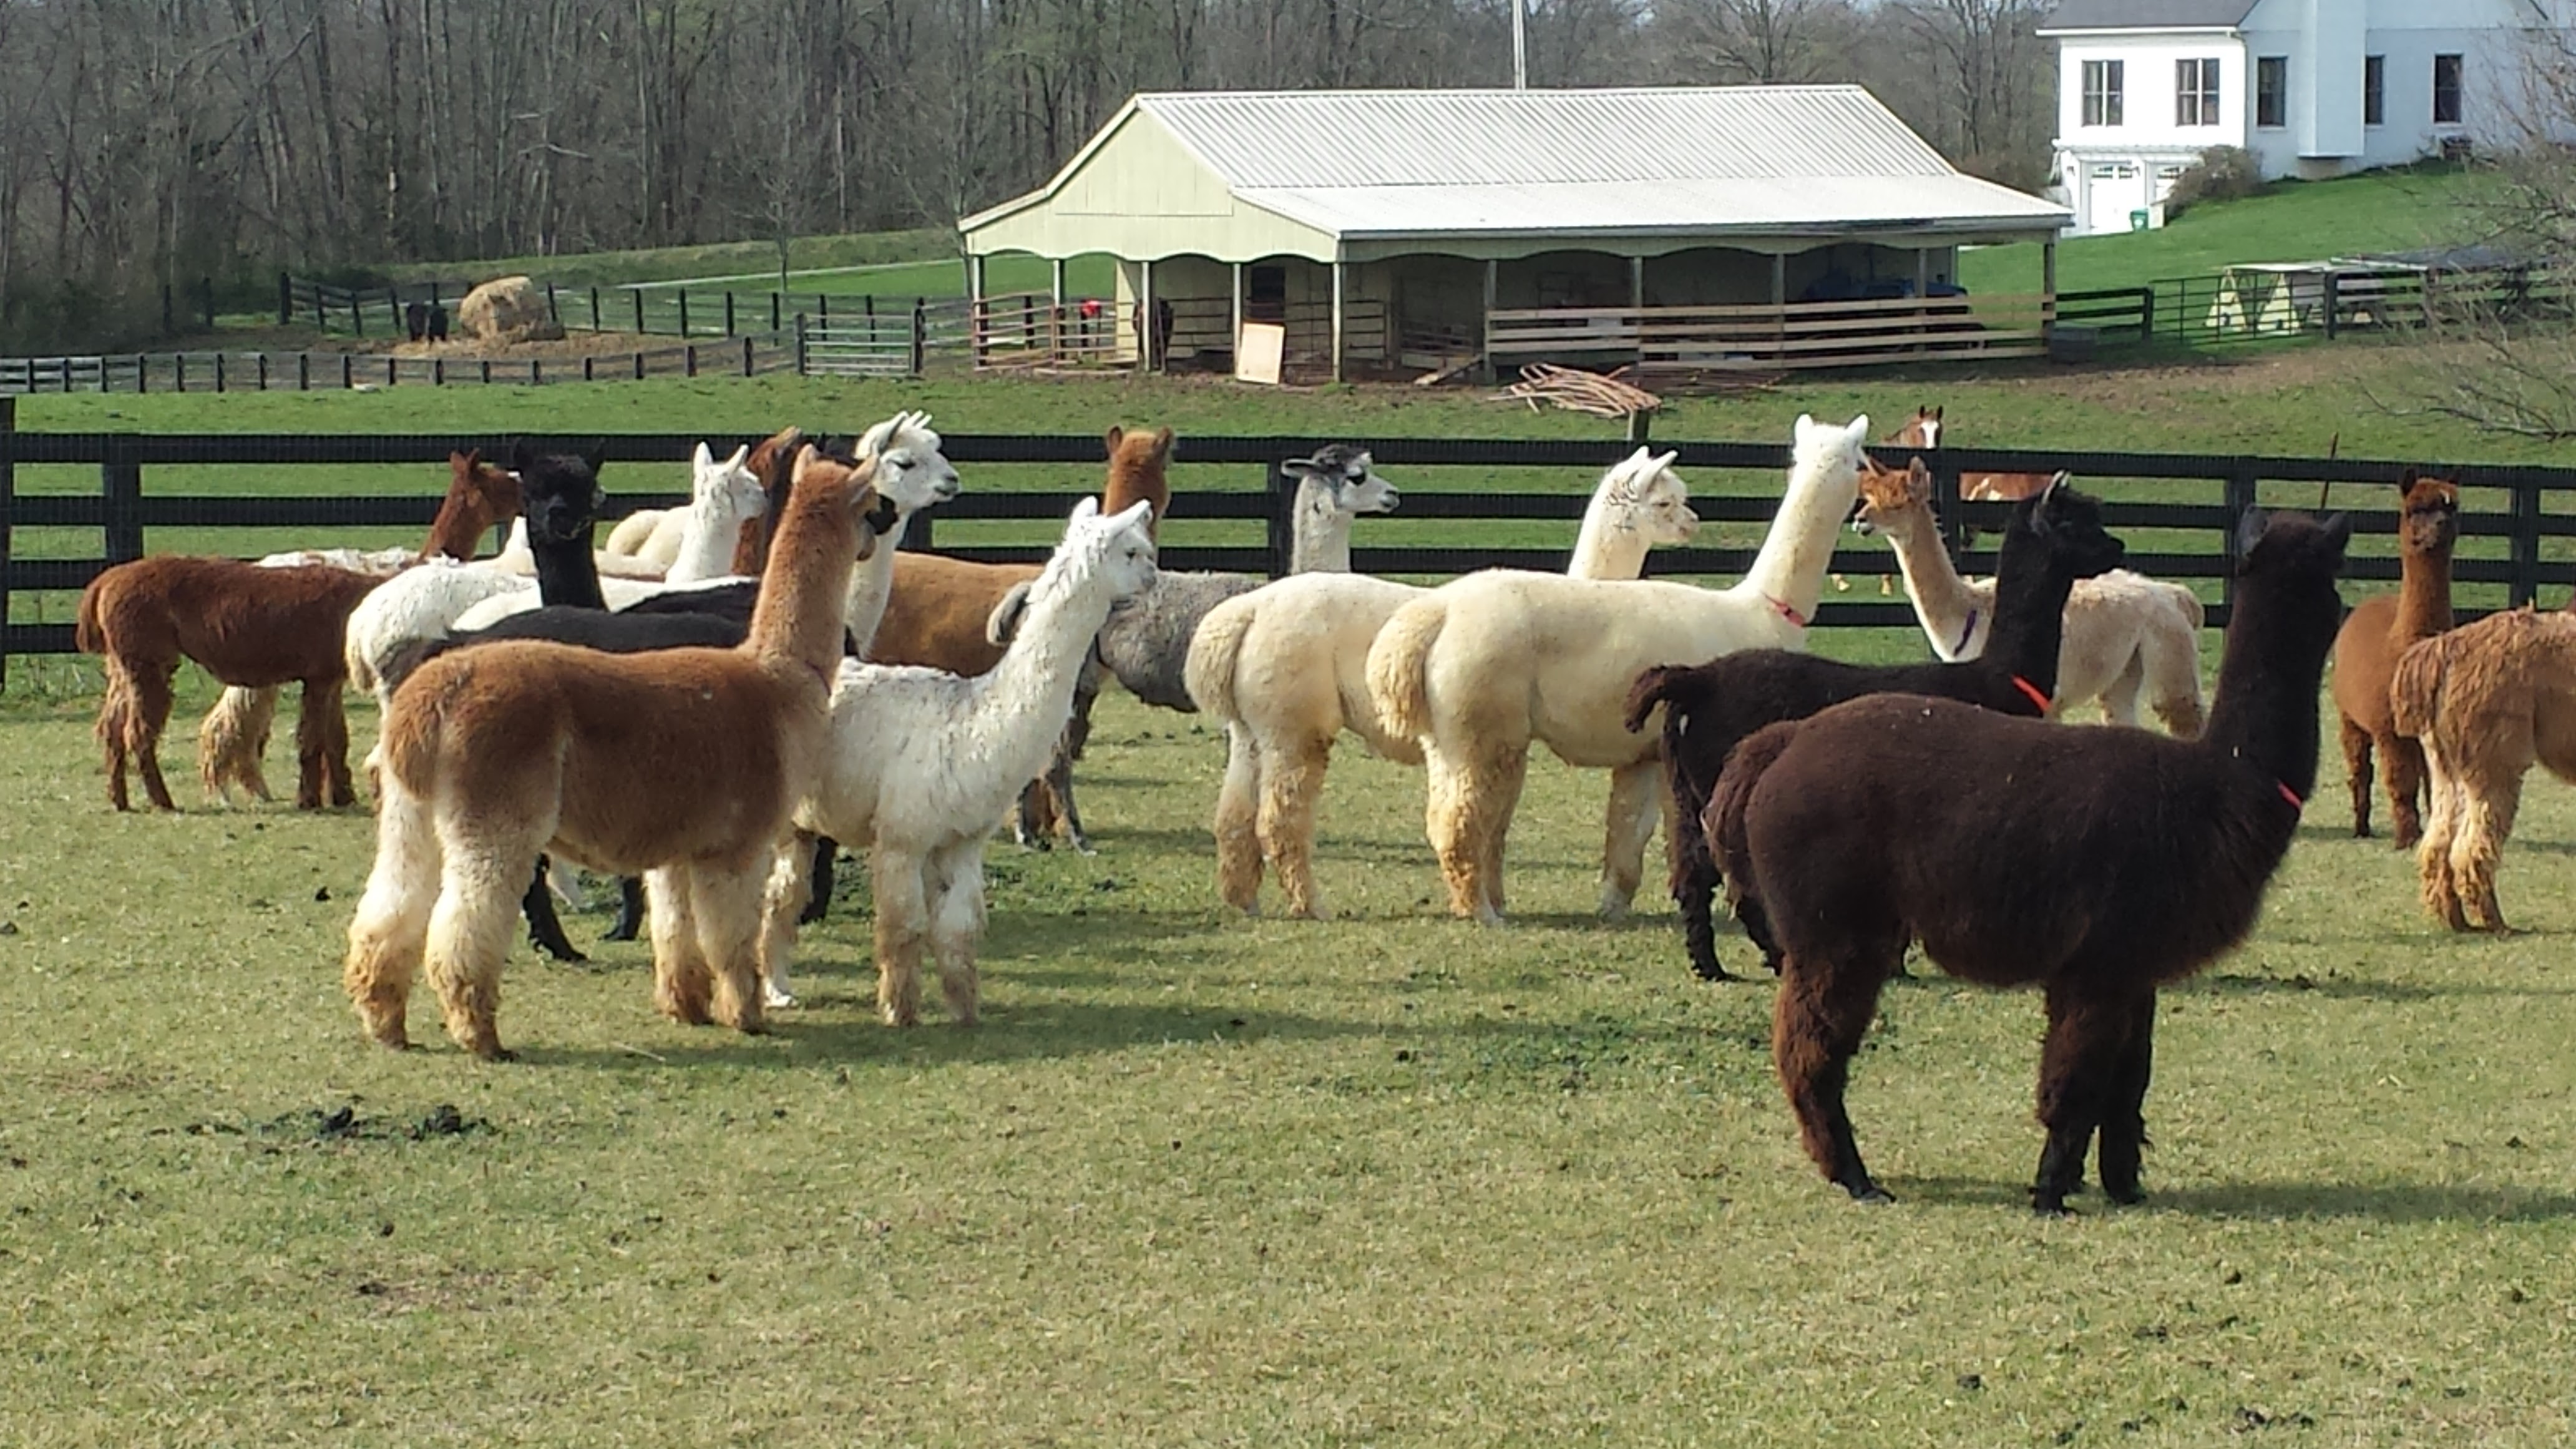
1285	668
2096	864
2127	635
922	762
2378	632
248	626
1484	666
2487	701
495	754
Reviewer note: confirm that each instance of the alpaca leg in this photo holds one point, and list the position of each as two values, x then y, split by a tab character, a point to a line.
391	928
313	743
2486	823
956	900
1495	822
902	920
2124	1121
469	934
2356	764
2079	1067
782	909
1627	824
2433	857
726	908
149	716
1461	820
1695	876
2404	759
545	928
1059	787
818	898
1291	781
115	710
1034	827
2120	696
1238	838
681	984
630	911
1817	1020
335	748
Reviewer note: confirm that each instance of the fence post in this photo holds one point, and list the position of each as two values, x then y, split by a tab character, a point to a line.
8	506
357	315
285	299
683	294
554	313
437	372
179	371
586	374
594	307
728	311
777	311
2526	543
1280	527
638	294
219	372
536	372
2333	301
920	335
121	485
804	359
823	307
746	351
304	372
347	379
2240	497
1946	506
689	358
639	364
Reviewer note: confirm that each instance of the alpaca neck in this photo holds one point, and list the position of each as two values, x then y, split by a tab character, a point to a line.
2265	712
798	615
1320	537
1949	609
1129	486
459	528
1031	690
707	540
1790	569
863	605
2423	594
568	573
2031	585
1608	546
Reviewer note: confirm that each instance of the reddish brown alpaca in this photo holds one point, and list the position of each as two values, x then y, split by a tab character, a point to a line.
2376	634
496	753
246	625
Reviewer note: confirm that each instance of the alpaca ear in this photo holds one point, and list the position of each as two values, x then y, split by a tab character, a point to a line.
520	455
1138	514
1857	434
595	456
1661	462
1086	507
702	460
1004	621
1918	472
2057	483
734	463
2406	480
1806	424
1163	441
1116	435
2339	531
2249	531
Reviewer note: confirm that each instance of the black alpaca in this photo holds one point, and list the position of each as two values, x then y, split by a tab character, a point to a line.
2098	864
2054	539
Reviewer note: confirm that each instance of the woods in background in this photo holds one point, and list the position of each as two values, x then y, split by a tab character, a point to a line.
146	143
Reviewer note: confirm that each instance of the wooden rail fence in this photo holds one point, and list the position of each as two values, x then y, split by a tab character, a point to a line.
1447	480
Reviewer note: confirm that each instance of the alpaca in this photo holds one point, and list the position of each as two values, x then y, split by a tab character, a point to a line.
2126	634
245	625
2055	538
2486	701
1923	430
2097	864
1482	667
1285	669
2379	630
921	763
1145	645
518	555
234	734
495	754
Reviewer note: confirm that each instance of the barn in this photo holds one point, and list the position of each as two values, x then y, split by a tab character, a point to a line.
1698	228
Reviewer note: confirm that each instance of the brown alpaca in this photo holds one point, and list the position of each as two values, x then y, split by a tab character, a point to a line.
2487	701
2378	631
494	754
234	734
248	626
2096	864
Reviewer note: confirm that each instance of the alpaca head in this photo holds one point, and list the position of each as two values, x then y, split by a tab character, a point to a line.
1923	430
1115	548
559	493
2065	527
1139	468
2291	561
838	486
1646	497
1825	465
912	473
1346	477
2430	522
495	489
1892	500
726	490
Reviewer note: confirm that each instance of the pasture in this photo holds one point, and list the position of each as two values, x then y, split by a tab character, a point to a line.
1205	1179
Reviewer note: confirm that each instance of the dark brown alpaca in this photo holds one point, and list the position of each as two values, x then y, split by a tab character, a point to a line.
2380	630
2053	540
247	626
2097	864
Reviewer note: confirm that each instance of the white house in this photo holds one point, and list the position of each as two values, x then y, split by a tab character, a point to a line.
2312	88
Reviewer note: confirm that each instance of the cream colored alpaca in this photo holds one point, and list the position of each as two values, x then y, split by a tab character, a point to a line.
921	764
2125	632
1285	668
1482	667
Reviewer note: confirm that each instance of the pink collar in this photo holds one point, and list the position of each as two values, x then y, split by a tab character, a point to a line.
1781	607
2290	795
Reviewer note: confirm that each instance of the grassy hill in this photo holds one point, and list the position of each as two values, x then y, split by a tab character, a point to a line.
2292	221
918	263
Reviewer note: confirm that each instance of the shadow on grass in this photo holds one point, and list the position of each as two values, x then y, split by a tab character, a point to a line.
2387	1202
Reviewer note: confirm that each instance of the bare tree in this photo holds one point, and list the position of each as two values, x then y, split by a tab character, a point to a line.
1759	42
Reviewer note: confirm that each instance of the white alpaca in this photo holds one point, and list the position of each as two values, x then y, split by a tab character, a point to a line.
1285	668
2125	633
723	497
416	605
1482	667
912	474
922	764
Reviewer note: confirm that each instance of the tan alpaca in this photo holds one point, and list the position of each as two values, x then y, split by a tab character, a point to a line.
680	765
2488	701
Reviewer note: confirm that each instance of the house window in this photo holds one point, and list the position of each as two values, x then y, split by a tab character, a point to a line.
2196	92
2114	171
2272	91
2102	81
2374	90
2446	90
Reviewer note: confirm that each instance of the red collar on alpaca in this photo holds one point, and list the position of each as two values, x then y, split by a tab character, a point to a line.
2035	694
2290	795
1781	606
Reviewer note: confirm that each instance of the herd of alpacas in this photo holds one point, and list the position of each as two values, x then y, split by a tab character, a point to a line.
771	643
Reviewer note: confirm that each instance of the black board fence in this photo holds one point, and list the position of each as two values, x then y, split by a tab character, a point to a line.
747	354
1735	483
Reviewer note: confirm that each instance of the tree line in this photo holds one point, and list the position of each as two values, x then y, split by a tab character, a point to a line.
147	144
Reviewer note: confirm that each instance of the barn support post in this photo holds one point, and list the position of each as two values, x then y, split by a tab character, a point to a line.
1780	316
1637	304
1234	315
8	507
1145	316
1341	290
1493	290
1055	281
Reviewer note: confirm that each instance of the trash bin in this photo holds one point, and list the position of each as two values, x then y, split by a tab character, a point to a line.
2138	219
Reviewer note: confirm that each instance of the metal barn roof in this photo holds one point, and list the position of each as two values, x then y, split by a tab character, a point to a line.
1385	165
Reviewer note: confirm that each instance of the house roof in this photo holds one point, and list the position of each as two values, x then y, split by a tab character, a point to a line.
2146	15
1397	164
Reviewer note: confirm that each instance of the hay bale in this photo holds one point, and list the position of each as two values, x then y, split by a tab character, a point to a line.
505	310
